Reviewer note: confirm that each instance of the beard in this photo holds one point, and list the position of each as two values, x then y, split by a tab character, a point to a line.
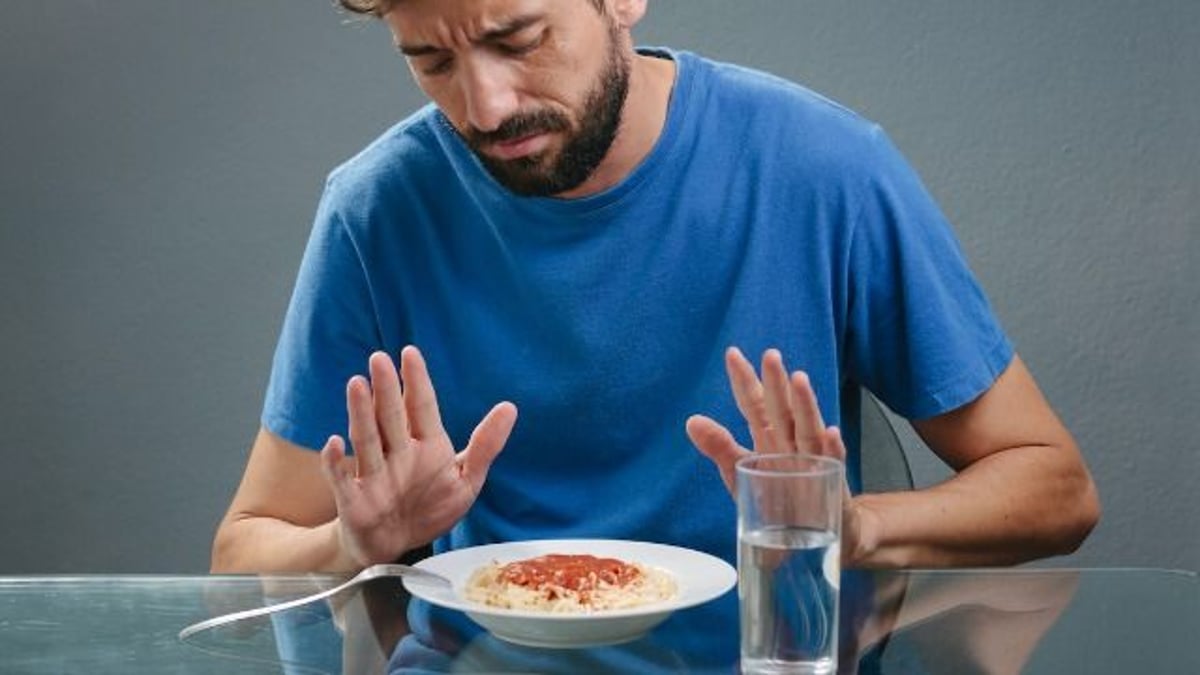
545	173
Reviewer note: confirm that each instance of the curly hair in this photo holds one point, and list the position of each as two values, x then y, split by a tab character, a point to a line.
380	7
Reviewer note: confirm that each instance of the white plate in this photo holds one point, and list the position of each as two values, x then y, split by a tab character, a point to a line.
700	577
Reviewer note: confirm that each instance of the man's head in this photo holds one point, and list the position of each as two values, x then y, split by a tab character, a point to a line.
535	87
381	7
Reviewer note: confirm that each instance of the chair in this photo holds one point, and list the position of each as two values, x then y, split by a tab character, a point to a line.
883	462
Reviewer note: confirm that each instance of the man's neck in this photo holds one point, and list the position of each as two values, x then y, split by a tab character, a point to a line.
642	121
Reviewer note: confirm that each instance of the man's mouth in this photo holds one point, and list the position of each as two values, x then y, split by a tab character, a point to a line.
517	148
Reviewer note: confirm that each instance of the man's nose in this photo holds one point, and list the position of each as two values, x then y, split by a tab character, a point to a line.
490	95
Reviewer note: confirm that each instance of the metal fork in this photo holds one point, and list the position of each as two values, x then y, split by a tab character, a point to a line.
368	574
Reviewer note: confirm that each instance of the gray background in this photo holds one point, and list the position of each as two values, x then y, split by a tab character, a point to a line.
160	161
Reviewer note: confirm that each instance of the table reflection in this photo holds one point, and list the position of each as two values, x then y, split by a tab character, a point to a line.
912	622
971	621
956	622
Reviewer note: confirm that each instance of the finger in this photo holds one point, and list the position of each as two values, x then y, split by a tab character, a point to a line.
832	444
778	402
716	443
806	412
339	473
748	394
364	431
389	403
487	440
420	400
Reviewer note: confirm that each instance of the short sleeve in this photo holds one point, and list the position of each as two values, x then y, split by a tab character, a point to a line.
329	331
921	335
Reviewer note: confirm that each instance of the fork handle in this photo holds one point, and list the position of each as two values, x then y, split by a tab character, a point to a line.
368	574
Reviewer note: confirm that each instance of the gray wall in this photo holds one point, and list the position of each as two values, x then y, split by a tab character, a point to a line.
160	160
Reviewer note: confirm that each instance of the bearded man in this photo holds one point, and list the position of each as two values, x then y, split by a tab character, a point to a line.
583	230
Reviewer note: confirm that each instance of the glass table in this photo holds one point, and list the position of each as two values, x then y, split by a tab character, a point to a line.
965	621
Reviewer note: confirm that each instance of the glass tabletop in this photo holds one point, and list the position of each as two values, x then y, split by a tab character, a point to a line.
963	621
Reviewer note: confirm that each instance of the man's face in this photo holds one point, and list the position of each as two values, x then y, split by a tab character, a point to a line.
535	87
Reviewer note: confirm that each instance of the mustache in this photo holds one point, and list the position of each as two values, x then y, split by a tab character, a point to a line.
519	126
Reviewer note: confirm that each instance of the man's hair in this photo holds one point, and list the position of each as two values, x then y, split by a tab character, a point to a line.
380	7
374	7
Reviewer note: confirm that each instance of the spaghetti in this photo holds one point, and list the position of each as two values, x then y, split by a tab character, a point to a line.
562	583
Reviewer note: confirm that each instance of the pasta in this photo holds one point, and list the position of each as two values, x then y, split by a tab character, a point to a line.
560	583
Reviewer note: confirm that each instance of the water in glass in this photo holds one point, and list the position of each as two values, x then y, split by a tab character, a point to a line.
788	580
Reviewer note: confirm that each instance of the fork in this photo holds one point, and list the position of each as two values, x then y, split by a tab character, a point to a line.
368	574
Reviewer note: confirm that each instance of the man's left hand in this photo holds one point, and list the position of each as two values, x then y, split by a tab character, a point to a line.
784	417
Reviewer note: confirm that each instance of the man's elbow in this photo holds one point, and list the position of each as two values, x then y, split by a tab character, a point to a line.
1079	518
224	550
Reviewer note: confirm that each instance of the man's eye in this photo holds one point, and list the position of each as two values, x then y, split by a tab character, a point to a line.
438	67
521	48
517	50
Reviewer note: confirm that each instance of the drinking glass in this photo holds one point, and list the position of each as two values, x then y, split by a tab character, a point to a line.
789	562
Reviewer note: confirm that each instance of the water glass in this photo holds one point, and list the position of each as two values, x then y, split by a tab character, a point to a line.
789	562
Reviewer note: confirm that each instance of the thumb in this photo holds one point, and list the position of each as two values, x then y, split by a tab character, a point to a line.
716	443
487	441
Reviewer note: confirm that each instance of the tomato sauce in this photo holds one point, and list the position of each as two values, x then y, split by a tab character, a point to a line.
579	573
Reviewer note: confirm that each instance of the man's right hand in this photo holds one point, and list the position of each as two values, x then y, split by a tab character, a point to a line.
405	485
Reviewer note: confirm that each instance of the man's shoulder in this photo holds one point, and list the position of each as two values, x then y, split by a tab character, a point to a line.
765	101
406	151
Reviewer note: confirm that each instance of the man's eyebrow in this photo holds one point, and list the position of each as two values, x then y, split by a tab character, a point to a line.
417	50
514	25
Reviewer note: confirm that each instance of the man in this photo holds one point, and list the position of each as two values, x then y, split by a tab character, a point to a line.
578	230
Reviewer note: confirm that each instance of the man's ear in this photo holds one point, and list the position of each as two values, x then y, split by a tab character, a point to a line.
628	12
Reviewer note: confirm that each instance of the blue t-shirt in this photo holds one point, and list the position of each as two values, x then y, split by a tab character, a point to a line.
764	216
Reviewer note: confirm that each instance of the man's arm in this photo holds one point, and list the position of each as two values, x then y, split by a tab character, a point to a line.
1021	491
297	510
283	517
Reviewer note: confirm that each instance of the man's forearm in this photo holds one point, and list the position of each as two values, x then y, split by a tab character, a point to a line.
254	544
1011	507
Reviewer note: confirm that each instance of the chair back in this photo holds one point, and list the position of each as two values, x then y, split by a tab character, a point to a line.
883	463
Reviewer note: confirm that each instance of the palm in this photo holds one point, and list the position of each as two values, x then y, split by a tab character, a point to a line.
406	484
440	494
